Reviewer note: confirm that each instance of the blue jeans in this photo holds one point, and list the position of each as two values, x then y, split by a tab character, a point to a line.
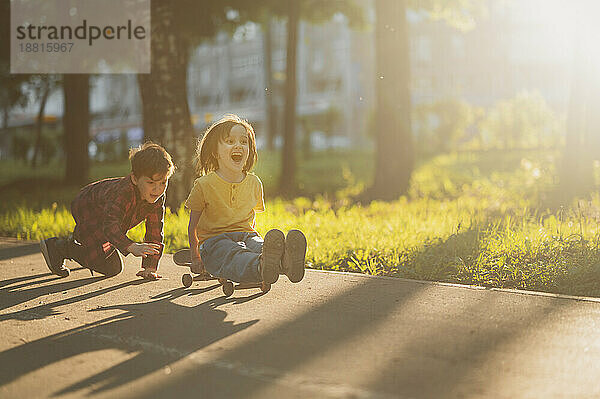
234	256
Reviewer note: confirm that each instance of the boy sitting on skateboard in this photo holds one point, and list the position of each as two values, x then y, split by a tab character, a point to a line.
105	210
223	204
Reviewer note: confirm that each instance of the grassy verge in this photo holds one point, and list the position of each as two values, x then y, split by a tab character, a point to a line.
472	218
22	186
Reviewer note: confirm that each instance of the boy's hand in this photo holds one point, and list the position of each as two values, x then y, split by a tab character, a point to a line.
148	274
144	249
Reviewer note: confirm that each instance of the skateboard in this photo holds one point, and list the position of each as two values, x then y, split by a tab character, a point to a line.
183	258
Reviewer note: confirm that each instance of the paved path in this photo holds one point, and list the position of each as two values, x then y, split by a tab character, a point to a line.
333	335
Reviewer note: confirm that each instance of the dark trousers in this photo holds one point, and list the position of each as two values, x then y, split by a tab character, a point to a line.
88	246
109	265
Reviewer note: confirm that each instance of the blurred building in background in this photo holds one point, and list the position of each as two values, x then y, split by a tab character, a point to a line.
517	47
335	66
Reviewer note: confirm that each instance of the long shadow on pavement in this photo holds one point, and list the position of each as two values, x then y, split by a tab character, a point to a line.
265	360
423	357
16	251
160	331
10	299
26	280
17	290
11	296
428	352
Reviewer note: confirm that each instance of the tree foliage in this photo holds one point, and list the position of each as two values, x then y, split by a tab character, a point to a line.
460	14
442	124
525	121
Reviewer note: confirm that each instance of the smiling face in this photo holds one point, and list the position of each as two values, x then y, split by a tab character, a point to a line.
151	188
232	153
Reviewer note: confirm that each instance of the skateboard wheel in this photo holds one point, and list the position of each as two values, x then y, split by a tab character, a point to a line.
265	287
228	288
186	280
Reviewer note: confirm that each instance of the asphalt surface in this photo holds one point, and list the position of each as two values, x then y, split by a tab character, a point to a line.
333	335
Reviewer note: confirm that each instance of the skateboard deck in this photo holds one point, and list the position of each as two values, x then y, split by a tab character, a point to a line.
183	258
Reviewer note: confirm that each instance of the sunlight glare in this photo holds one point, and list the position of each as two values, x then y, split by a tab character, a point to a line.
558	29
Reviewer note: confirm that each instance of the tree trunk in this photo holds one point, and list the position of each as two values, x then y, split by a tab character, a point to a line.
39	123
5	119
4	140
287	183
76	122
394	143
306	144
166	113
576	176
270	92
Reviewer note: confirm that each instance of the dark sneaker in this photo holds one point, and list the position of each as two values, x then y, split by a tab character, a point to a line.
272	251
54	255
292	263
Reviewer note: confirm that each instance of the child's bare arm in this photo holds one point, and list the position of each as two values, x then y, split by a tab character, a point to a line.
192	237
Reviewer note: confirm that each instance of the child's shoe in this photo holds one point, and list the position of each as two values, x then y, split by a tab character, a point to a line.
292	263
272	251
54	251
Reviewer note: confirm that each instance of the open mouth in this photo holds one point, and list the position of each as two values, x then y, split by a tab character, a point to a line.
237	158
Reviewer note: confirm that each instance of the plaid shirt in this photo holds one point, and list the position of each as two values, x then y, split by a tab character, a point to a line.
105	210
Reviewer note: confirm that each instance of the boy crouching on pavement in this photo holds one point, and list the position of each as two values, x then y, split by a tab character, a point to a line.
105	210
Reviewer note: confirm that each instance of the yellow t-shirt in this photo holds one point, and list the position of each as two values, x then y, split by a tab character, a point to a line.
225	207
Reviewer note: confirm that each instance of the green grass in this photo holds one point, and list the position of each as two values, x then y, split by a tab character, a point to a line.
22	186
473	218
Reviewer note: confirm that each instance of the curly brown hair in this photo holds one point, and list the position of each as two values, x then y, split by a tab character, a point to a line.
149	159
205	160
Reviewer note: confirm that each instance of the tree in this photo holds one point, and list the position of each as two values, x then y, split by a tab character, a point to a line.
177	27
316	11
43	85
270	109
11	85
394	145
76	112
166	114
583	120
11	92
523	121
76	123
287	183
394	159
452	117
